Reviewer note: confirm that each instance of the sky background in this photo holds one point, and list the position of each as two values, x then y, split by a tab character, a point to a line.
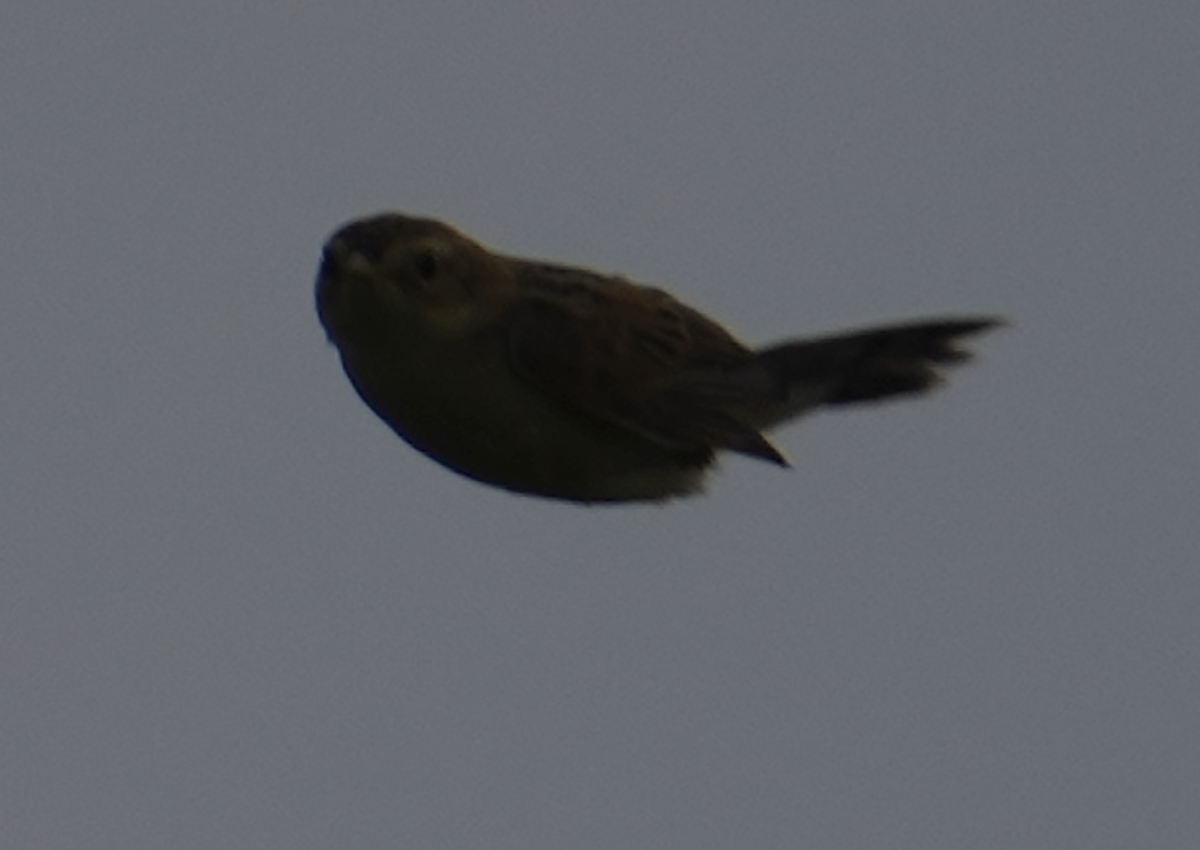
237	612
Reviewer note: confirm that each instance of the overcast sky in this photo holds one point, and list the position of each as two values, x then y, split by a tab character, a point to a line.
237	612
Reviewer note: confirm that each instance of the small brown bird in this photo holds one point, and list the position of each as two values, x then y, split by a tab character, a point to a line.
560	382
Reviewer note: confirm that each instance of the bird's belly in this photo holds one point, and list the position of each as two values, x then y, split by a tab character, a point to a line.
484	423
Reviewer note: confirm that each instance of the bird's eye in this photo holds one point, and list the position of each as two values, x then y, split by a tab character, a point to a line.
427	264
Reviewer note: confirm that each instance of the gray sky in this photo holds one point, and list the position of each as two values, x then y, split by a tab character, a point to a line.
237	612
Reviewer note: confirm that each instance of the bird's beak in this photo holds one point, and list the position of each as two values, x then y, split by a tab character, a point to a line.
339	259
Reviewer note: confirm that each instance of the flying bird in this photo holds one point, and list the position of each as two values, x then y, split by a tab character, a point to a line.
556	381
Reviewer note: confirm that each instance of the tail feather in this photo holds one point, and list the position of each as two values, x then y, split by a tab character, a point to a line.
873	364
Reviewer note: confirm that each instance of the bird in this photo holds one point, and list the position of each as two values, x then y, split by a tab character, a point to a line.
555	381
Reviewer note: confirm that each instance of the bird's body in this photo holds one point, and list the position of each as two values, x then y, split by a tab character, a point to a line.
560	382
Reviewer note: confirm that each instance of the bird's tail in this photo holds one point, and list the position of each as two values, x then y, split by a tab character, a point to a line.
868	365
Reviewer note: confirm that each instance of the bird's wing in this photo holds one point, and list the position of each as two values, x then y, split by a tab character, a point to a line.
634	357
